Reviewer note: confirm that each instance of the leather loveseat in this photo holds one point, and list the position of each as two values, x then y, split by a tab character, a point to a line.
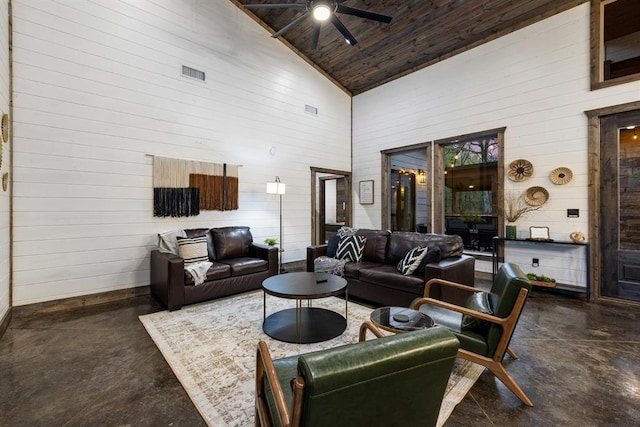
376	277
239	265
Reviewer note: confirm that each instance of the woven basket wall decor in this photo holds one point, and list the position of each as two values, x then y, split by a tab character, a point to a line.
5	127
520	170
536	196
561	176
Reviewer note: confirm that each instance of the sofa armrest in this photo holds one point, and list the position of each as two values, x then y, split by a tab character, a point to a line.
459	270
267	253
167	279
314	252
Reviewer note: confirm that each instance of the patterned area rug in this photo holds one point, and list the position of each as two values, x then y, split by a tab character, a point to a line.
211	348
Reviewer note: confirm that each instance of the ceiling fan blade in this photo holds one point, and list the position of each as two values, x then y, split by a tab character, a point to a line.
363	14
343	30
274	5
316	34
289	25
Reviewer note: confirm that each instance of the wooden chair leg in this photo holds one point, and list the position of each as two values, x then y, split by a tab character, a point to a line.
499	371
512	353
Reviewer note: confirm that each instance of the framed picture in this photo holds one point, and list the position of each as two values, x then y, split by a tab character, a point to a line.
539	233
366	192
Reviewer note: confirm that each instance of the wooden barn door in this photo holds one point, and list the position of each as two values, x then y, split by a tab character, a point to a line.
620	205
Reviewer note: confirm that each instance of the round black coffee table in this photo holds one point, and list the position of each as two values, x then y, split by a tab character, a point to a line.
304	325
400	319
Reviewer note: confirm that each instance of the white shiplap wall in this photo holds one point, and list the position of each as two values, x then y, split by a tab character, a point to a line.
536	83
98	85
5	264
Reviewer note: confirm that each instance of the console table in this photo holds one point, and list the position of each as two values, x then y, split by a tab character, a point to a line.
498	242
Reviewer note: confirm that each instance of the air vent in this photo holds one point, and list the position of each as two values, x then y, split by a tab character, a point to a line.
193	73
309	109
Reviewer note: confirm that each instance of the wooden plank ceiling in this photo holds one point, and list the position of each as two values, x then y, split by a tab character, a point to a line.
421	33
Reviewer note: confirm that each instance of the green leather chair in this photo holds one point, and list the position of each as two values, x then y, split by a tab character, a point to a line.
486	323
394	380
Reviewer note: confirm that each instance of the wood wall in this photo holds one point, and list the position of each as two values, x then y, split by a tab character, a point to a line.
98	85
536	83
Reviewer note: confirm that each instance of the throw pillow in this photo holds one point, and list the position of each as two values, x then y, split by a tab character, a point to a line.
346	231
193	249
168	242
478	301
351	248
332	246
433	255
412	260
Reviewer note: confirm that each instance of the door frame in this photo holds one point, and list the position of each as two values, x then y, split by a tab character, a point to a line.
385	174
594	197
315	171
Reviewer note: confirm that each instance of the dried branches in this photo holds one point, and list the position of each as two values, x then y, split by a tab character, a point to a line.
515	206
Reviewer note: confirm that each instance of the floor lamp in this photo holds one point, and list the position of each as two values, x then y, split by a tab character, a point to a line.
278	188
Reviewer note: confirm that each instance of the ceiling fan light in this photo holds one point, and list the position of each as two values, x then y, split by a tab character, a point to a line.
321	12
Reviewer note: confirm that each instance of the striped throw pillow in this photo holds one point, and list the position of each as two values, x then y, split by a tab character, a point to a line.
193	249
351	248
412	260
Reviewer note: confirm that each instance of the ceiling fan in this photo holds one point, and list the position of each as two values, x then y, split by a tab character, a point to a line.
322	10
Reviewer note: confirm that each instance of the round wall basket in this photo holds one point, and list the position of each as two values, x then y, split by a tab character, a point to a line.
520	170
5	127
561	176
536	196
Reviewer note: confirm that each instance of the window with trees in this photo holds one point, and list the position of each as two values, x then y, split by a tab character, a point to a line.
472	190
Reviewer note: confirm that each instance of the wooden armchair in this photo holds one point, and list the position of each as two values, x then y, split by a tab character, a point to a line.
394	380
486	323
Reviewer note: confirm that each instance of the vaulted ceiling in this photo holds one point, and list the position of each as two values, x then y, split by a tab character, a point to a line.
421	33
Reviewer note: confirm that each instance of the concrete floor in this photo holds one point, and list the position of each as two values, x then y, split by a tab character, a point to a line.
579	363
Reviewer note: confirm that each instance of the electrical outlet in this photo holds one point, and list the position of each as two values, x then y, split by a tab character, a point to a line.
535	262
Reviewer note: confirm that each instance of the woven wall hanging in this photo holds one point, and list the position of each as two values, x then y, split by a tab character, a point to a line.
184	187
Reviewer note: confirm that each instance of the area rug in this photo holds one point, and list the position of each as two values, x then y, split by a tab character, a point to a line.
211	348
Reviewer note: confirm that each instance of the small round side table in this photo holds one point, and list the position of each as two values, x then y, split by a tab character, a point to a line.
400	319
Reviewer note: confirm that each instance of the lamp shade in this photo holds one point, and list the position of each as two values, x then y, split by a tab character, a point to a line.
276	187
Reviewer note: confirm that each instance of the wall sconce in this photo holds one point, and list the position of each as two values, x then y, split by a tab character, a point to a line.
422	176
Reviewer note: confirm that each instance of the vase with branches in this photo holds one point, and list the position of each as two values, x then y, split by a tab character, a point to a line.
514	208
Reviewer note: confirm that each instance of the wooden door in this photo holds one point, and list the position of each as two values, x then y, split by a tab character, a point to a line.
620	206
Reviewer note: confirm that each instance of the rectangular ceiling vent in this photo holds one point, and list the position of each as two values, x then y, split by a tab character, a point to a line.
309	109
193	73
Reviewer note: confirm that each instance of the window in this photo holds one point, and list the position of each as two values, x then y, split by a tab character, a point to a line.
471	191
615	44
468	188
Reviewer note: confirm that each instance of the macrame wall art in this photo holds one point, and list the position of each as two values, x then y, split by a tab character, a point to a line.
184	187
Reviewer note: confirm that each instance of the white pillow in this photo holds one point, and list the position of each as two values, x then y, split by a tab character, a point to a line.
168	242
193	249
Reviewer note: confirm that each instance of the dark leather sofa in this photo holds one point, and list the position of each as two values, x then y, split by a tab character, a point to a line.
239	265
377	280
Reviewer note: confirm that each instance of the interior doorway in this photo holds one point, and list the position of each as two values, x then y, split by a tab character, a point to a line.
620	206
330	203
406	183
403	200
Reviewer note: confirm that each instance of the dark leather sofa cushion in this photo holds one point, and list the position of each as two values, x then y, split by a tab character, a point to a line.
376	246
246	265
231	242
387	275
352	269
196	232
215	272
401	242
